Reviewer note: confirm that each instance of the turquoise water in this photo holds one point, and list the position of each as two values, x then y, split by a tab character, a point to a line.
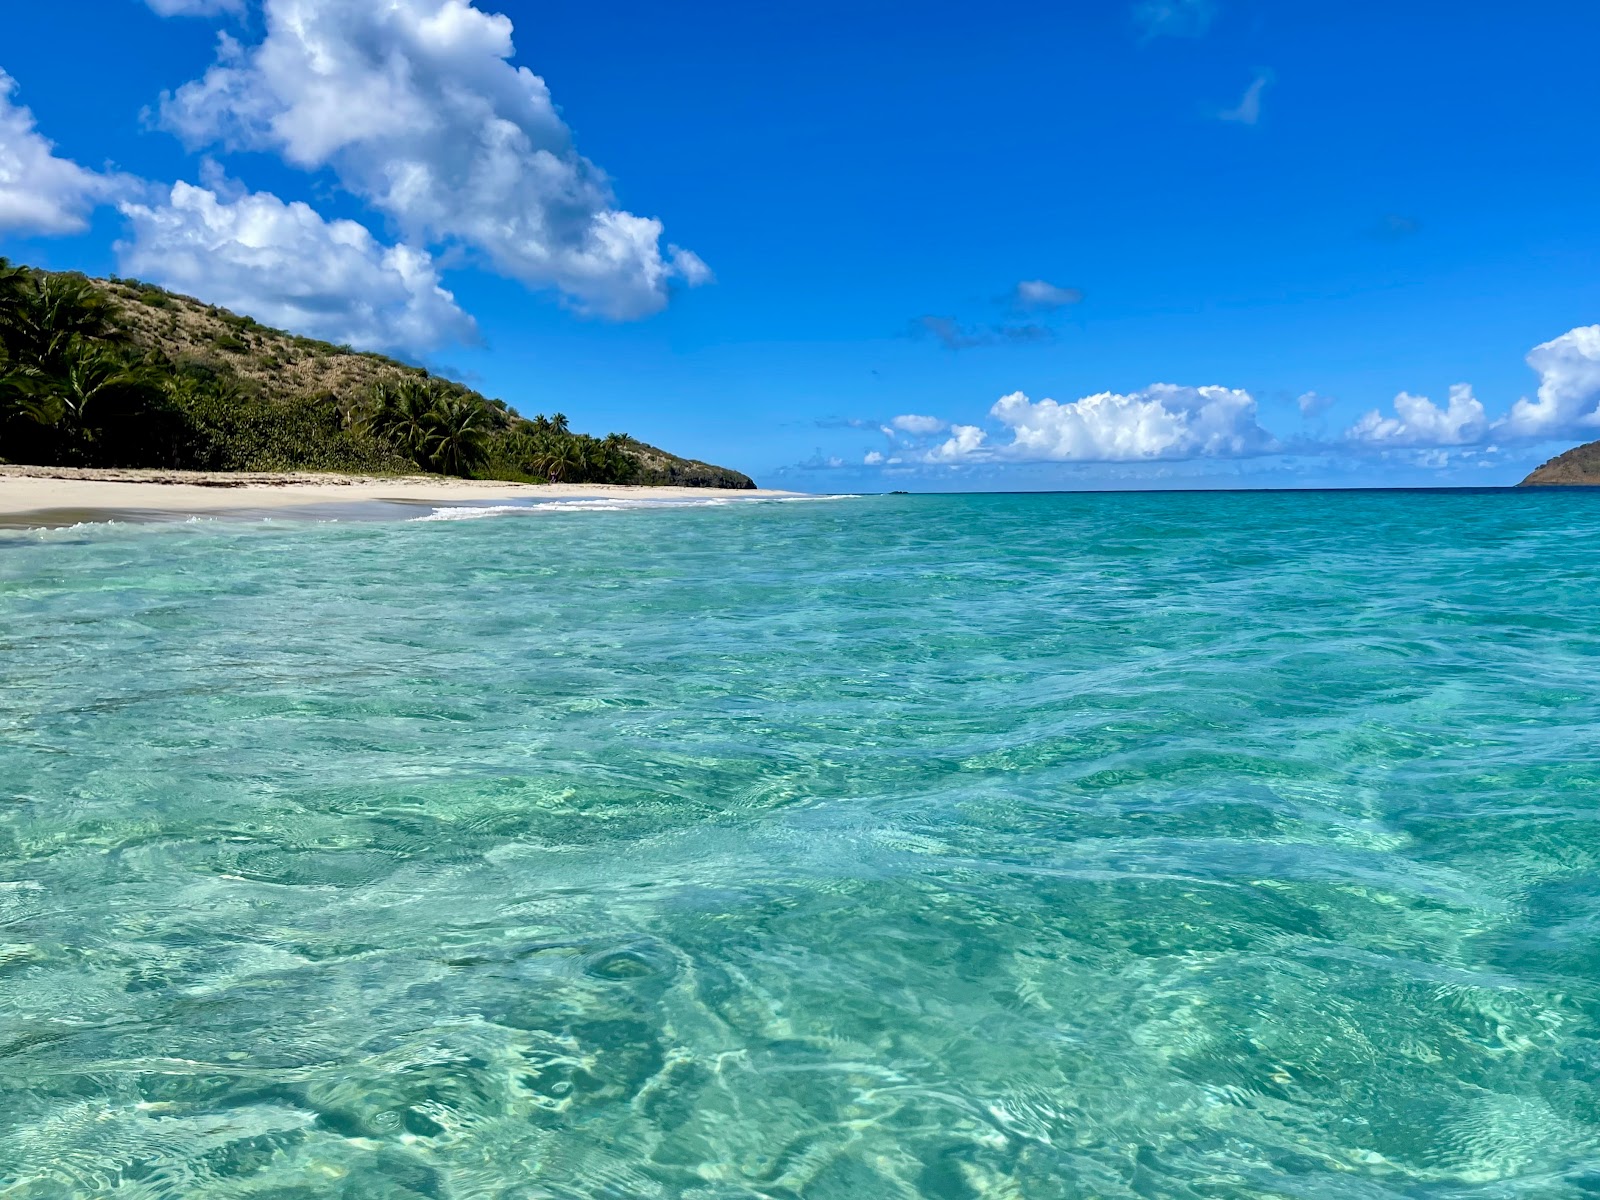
1018	847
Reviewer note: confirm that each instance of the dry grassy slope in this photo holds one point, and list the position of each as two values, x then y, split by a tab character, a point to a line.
1578	467
279	364
284	365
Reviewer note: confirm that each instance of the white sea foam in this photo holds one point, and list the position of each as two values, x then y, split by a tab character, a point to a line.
539	508
45	533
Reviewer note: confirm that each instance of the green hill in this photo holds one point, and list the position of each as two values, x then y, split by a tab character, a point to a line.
1578	467
117	373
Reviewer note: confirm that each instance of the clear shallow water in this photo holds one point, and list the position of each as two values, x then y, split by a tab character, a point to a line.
1019	847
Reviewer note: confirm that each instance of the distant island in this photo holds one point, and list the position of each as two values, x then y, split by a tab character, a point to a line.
111	373
1578	467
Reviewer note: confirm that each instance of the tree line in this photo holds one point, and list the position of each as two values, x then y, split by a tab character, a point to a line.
77	390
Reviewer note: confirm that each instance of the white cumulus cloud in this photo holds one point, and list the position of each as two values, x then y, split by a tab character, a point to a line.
285	265
1568	402
417	108
1418	421
1567	405
41	193
917	425
965	443
1164	421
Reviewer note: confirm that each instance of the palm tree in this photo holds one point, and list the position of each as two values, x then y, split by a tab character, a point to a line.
17	398
21	398
458	437
619	466
56	365
591	459
557	458
96	387
43	319
403	414
15	284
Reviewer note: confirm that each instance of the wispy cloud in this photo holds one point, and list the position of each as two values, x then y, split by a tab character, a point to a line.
1393	226
1248	110
820	462
1036	298
1173	18
953	335
1313	404
1036	295
195	8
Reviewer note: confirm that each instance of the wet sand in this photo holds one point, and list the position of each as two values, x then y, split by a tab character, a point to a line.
44	496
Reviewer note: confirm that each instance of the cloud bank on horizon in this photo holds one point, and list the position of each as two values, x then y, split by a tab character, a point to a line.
416	109
1169	423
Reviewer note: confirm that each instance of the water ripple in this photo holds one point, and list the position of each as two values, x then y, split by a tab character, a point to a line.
1217	846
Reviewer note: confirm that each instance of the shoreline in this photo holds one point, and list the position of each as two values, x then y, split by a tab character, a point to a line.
43	497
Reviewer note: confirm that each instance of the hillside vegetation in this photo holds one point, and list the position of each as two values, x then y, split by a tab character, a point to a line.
1578	467
117	373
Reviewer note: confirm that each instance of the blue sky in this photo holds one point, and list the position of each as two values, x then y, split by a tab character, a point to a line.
1003	225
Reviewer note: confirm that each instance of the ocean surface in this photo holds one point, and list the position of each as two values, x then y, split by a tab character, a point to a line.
1019	847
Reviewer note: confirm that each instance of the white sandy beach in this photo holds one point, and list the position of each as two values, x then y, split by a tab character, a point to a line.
53	495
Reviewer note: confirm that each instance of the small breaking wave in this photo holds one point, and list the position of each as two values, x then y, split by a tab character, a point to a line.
539	508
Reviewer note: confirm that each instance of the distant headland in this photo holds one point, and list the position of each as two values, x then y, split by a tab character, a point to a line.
1578	467
114	373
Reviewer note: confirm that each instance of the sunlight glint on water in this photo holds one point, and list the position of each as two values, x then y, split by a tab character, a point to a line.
1016	846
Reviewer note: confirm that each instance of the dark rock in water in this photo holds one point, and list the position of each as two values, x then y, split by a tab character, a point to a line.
1578	467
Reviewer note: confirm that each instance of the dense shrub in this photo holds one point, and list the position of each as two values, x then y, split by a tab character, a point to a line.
233	432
